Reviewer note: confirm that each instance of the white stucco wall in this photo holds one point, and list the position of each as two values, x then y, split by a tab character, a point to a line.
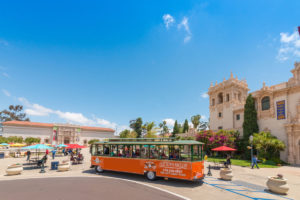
46	133
277	126
38	132
238	124
89	135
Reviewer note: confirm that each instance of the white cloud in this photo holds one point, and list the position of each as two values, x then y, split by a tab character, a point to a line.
6	93
106	123
204	95
204	118
74	117
38	110
71	117
187	38
289	47
168	20
169	121
185	25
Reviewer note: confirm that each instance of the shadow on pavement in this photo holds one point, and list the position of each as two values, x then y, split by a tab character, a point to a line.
141	178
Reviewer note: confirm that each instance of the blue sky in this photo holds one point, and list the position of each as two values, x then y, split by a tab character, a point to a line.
103	63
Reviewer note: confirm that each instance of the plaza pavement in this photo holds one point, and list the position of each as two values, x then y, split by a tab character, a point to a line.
246	184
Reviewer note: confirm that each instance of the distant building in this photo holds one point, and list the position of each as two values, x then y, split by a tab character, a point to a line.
278	110
55	133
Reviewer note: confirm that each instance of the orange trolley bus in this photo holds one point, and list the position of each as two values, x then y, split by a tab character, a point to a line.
180	159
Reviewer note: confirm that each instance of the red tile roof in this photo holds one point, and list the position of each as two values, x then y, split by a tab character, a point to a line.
26	123
39	124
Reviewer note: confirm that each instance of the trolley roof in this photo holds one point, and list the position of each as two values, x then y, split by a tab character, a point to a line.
138	142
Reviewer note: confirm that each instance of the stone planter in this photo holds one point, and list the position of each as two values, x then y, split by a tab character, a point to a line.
6	154
65	166
226	174
278	186
14	169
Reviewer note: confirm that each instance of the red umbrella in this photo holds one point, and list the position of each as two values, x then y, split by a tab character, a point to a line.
223	148
74	146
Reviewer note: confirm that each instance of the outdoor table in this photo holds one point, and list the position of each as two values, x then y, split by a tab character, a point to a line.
74	161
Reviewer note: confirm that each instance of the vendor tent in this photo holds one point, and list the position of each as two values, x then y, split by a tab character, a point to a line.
223	148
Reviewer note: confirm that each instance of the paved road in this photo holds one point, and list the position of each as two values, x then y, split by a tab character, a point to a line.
78	188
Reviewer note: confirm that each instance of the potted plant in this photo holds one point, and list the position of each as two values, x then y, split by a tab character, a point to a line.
278	184
226	174
64	166
14	169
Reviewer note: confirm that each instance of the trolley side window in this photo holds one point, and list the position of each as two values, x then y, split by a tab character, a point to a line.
196	153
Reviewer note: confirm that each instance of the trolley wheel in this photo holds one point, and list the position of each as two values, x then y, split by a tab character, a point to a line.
98	169
151	175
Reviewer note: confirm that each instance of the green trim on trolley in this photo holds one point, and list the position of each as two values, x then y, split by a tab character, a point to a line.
176	142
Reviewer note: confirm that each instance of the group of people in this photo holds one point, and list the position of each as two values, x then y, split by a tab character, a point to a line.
254	161
128	152
65	152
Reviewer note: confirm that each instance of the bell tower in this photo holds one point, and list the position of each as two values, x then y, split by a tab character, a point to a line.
227	101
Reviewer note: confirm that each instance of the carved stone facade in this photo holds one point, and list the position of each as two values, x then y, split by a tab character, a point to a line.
68	134
278	110
227	101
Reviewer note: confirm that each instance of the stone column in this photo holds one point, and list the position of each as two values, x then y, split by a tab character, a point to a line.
289	131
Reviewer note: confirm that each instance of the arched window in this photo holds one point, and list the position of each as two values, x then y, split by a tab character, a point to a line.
220	98
213	102
265	103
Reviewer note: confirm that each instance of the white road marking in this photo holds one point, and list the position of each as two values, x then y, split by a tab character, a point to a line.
151	186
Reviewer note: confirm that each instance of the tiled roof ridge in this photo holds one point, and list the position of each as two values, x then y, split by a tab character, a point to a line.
41	124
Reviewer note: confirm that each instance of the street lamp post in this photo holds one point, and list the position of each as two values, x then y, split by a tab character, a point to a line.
251	140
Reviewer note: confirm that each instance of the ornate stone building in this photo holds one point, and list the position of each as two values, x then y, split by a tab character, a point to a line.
278	110
55	133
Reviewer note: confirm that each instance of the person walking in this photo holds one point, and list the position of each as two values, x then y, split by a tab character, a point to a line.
254	162
28	155
53	153
47	152
228	161
64	151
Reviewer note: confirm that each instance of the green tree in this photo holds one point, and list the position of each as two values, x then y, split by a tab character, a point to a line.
3	140
15	139
128	134
125	133
196	120
14	113
180	128
136	125
185	126
92	141
150	129
175	129
31	140
268	145
250	125
164	128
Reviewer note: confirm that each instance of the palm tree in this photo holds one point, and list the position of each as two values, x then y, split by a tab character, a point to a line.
150	129
196	121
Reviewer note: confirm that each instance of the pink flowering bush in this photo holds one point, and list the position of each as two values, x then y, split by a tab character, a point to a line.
215	139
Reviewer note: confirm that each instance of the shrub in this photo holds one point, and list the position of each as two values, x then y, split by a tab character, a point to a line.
93	141
268	146
215	139
31	140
